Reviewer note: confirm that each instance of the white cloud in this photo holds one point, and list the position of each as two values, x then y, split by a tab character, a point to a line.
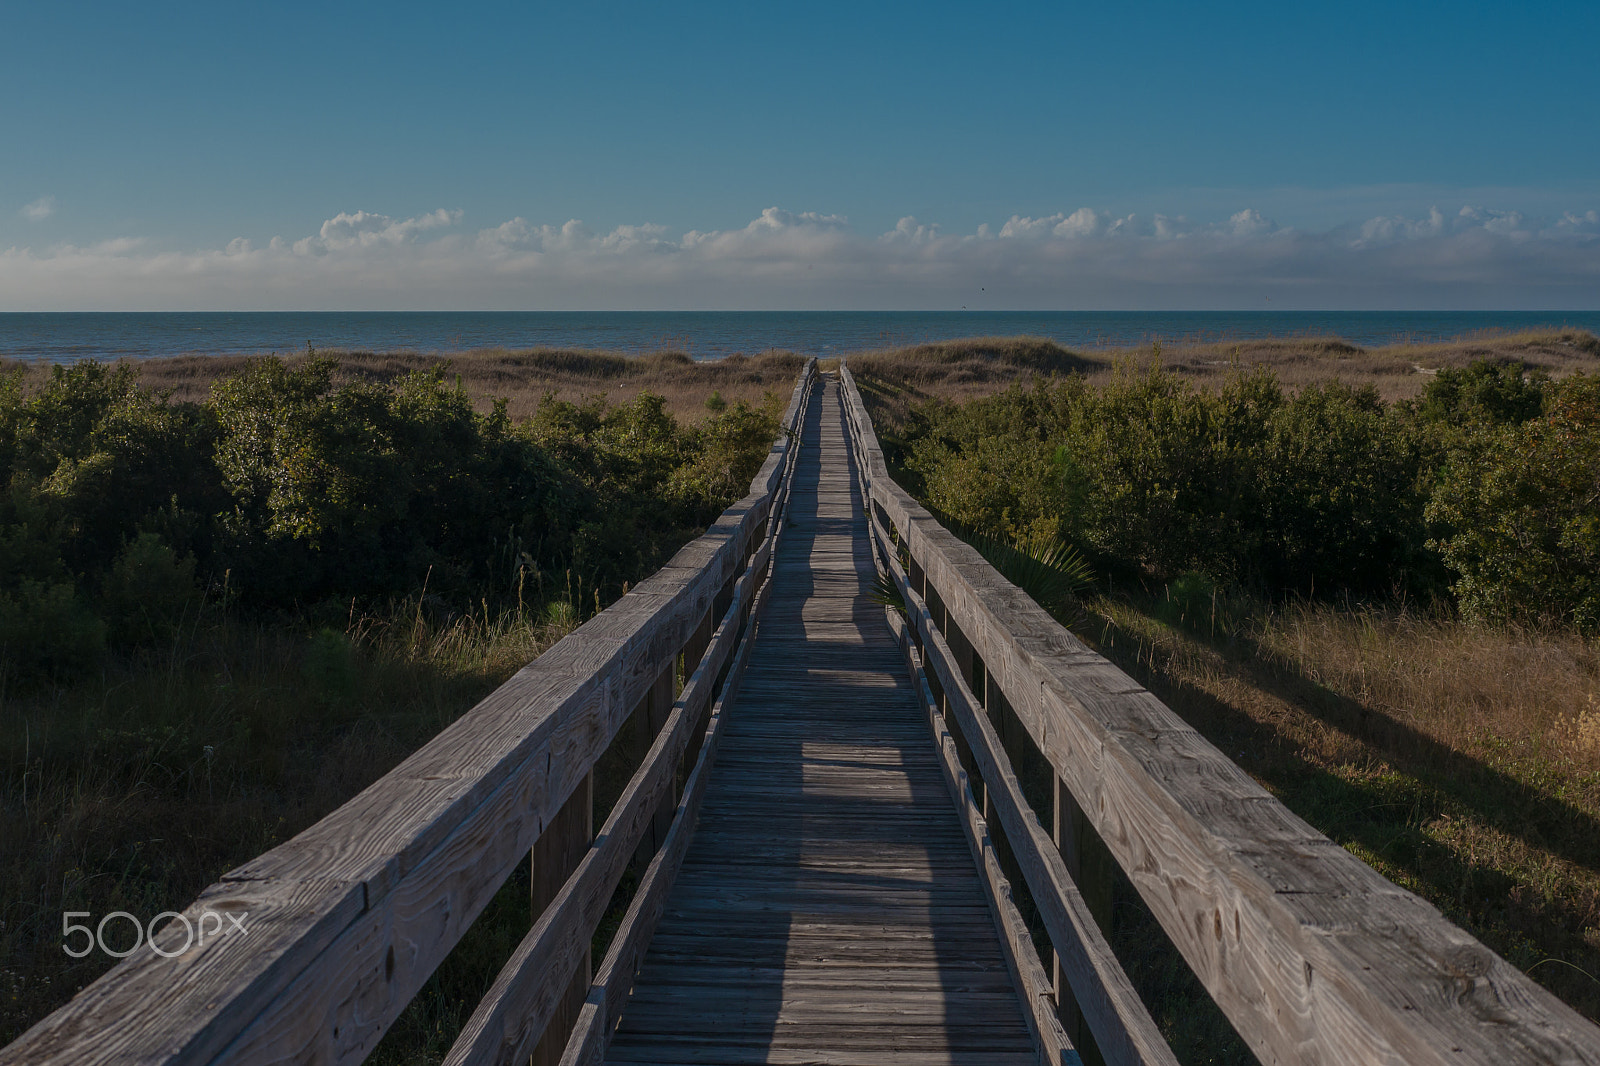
909	231
1086	258
1250	223
365	229
40	209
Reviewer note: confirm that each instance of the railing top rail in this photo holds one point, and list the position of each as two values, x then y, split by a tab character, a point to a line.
1313	956
349	918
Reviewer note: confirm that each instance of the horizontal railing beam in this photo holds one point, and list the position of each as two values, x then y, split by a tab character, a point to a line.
513	1015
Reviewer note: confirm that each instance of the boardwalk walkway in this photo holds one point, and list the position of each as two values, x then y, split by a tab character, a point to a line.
828	910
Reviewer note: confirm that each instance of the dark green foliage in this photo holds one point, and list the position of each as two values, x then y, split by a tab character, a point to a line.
330	666
1497	393
1313	490
120	512
148	590
45	631
363	490
1487	489
1518	514
886	593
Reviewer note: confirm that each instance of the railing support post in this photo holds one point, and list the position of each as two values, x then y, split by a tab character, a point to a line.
649	717
693	651
1089	863
557	852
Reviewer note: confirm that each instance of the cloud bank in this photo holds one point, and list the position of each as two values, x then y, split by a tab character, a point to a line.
1086	259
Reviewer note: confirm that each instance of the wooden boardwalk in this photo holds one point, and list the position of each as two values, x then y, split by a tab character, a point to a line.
829	909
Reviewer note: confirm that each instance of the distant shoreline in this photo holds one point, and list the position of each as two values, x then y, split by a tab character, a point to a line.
69	336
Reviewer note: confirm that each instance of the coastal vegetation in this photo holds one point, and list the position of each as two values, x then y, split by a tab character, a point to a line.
1385	610
234	593
221	618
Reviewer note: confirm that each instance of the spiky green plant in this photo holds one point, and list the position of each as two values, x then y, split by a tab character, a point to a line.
1051	571
885	592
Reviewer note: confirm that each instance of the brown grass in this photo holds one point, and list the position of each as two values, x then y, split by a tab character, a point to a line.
521	377
135	789
1462	763
981	366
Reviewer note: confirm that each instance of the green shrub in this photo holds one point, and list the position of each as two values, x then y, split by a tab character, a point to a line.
1518	514
330	666
1318	490
290	490
148	590
365	490
1502	393
1340	483
45	632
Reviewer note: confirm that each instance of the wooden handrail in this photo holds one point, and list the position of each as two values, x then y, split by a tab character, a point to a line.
1125	1034
1312	955
347	920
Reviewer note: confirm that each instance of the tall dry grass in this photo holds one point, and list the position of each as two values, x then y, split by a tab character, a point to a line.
1459	761
522	378
134	790
1504	695
893	380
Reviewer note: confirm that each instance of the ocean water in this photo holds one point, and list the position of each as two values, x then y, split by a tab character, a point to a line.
67	337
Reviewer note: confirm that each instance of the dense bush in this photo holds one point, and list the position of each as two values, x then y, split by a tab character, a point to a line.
1150	473
1487	488
121	510
1518	513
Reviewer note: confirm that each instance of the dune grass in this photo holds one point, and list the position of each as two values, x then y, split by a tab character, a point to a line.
522	378
898	378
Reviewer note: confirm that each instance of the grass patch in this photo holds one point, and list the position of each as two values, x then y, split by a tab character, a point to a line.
521	377
135	789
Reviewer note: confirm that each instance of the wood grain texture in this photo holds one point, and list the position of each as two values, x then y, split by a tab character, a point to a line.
1313	956
828	909
350	917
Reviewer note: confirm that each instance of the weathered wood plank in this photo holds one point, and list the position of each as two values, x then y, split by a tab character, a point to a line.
513	1016
589	1037
1037	993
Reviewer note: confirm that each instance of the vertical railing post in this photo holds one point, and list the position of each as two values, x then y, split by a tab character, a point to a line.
557	852
1090	864
693	652
657	707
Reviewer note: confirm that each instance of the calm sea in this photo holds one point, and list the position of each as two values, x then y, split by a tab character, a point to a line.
65	337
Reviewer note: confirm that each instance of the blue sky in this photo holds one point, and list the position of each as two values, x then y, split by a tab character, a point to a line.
1153	154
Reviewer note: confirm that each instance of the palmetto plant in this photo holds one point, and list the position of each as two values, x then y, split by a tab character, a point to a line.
1051	571
886	593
